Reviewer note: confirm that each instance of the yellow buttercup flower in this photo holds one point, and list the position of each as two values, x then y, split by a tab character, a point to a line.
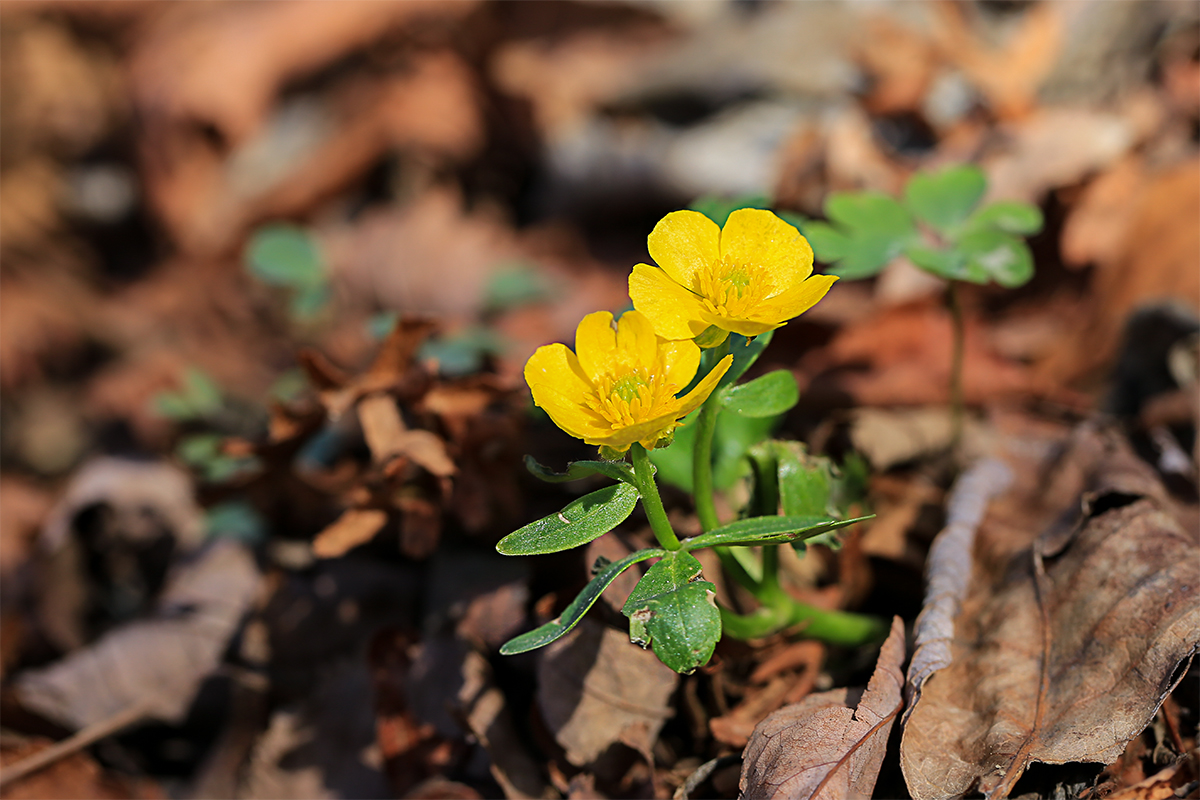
750	277
620	384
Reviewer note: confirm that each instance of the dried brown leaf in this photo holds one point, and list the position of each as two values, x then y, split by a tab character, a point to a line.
829	745
354	527
1065	651
593	684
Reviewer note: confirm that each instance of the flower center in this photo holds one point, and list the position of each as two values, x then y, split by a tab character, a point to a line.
732	289
632	397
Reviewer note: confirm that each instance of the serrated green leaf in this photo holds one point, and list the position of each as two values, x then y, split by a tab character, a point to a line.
675	612
579	523
285	255
766	530
998	256
944	199
617	470
556	629
1009	216
765	396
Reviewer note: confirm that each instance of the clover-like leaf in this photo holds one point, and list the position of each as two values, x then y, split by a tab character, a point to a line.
579	523
1009	216
767	530
997	256
870	230
560	627
675	612
944	199
945	263
765	396
617	470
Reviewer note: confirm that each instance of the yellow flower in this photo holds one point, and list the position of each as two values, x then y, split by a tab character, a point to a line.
749	278
619	385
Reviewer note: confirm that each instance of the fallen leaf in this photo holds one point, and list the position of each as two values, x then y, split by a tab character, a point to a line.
1064	651
830	744
76	775
159	662
593	684
354	527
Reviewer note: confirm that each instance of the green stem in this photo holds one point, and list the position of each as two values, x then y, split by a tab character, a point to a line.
651	501
702	462
835	627
956	368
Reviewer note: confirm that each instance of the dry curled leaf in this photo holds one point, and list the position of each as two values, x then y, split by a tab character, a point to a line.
831	744
1065	652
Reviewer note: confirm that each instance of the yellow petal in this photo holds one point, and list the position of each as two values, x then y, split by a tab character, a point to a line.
596	344
674	310
746	327
755	236
797	300
636	341
696	397
684	242
573	417
649	431
556	365
679	362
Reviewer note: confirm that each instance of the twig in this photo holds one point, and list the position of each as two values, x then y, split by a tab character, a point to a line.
76	742
701	774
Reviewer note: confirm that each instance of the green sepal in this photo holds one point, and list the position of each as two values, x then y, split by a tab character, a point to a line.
557	628
765	396
943	200
767	530
617	470
674	611
579	523
712	336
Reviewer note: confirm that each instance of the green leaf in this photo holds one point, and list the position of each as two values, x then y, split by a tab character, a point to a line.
1009	216
998	256
940	262
745	352
828	243
719	208
765	396
617	470
766	530
285	255
557	628
674	611
734	437
309	301
874	229
805	483
944	199
579	523
514	285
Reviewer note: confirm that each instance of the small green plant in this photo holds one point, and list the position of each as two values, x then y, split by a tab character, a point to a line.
199	402
288	257
940	226
660	387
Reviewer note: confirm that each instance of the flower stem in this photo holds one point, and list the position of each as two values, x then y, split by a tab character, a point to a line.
706	426
651	501
956	368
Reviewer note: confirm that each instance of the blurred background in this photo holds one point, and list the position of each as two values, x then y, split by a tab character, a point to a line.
223	224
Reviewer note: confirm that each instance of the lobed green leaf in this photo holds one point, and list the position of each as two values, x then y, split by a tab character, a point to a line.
557	628
997	256
675	612
1009	216
579	523
944	199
